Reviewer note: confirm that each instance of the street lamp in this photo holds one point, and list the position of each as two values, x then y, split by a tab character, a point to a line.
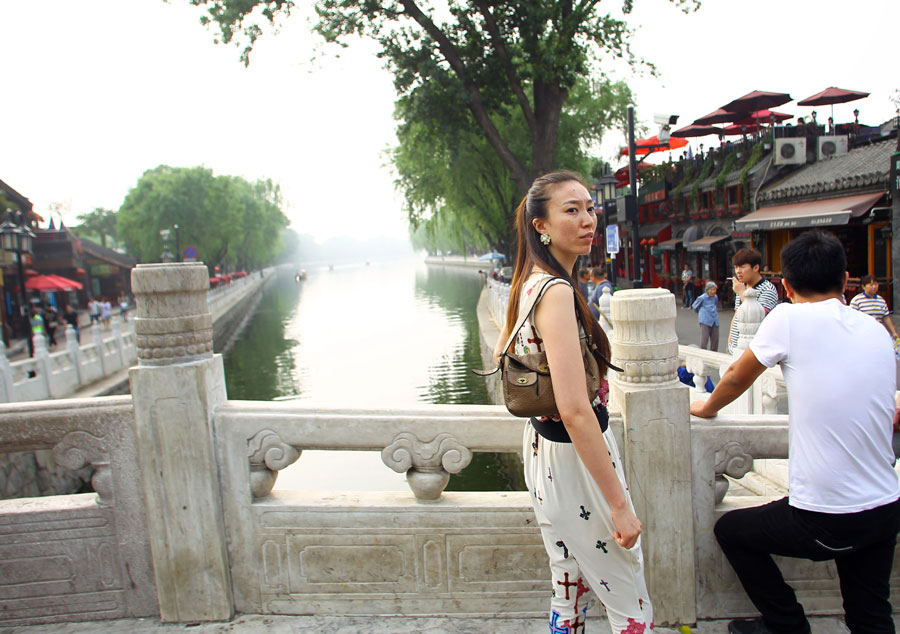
166	255
16	238
605	189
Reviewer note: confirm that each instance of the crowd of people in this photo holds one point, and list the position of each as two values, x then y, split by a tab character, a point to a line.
844	499
46	319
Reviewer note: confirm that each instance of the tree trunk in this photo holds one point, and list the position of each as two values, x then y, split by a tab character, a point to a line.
548	102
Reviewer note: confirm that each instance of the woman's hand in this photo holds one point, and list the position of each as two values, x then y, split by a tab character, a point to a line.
628	527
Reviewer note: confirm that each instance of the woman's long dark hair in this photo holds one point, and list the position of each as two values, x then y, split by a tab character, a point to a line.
532	251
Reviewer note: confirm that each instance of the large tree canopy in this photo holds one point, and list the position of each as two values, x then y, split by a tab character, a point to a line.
526	54
229	220
99	223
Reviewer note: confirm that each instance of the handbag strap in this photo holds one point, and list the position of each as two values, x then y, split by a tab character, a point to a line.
523	315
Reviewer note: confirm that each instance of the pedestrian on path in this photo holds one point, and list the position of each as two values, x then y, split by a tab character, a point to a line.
873	304
707	307
844	501
572	465
687	285
94	310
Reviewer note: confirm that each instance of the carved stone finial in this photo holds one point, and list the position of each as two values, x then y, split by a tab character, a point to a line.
79	449
732	460
172	324
749	316
644	342
428	465
268	455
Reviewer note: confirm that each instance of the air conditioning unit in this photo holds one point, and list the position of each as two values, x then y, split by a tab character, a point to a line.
833	146
790	151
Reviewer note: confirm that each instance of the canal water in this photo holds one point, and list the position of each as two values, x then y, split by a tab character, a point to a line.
384	334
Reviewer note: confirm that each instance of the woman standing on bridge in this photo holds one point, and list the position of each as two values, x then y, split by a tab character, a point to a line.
572	464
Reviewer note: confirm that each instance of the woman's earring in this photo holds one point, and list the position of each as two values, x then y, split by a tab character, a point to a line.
545	238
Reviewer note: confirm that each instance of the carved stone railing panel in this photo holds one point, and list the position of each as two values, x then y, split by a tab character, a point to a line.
75	557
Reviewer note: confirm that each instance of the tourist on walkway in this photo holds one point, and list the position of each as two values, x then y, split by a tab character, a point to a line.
707	307
598	278
105	311
843	503
873	304
584	278
746	264
70	316
572	465
50	318
687	285
94	310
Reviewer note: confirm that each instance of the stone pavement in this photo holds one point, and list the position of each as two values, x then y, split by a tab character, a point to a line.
269	624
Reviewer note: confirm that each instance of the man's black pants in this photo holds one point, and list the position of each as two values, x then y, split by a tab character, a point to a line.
861	544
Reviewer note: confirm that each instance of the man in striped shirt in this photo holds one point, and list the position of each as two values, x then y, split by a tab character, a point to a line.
871	303
746	275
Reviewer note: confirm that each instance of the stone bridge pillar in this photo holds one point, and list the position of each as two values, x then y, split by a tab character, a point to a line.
657	452
176	386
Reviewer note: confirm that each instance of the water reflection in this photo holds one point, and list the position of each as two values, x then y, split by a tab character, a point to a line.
385	335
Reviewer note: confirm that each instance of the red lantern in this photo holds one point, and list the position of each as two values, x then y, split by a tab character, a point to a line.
652	242
644	242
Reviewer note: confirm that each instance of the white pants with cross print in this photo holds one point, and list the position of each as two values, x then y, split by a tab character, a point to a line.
577	529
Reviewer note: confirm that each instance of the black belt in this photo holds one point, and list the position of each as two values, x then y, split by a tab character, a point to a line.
555	430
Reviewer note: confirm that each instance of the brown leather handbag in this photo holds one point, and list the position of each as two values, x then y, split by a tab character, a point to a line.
527	386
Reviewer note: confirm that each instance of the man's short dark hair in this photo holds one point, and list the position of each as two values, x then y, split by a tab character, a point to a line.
814	262
747	256
865	280
583	273
598	271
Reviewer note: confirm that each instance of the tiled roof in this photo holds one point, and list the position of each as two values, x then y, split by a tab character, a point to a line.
862	169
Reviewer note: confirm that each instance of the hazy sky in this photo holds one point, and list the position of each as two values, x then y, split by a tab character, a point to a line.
97	92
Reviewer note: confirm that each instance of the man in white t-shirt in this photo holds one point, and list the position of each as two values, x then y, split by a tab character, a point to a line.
840	374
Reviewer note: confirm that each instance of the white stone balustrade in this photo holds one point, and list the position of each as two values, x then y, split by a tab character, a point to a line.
103	351
185	523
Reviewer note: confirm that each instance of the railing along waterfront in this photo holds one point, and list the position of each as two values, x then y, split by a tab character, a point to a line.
185	522
103	351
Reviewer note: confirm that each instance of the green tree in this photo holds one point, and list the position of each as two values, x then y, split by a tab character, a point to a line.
99	223
229	220
500	54
458	192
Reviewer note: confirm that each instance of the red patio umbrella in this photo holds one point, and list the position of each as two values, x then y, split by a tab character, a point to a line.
766	115
757	100
718	116
831	96
695	130
740	128
643	146
621	174
52	283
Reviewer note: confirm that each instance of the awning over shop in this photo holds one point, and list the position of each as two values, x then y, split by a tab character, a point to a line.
653	229
703	244
669	245
692	233
817	213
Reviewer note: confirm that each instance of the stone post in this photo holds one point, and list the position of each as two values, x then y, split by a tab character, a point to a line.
605	316
42	362
176	386
74	351
657	452
6	377
749	316
120	345
97	336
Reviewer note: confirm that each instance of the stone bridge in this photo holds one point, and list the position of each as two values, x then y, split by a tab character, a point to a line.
183	522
